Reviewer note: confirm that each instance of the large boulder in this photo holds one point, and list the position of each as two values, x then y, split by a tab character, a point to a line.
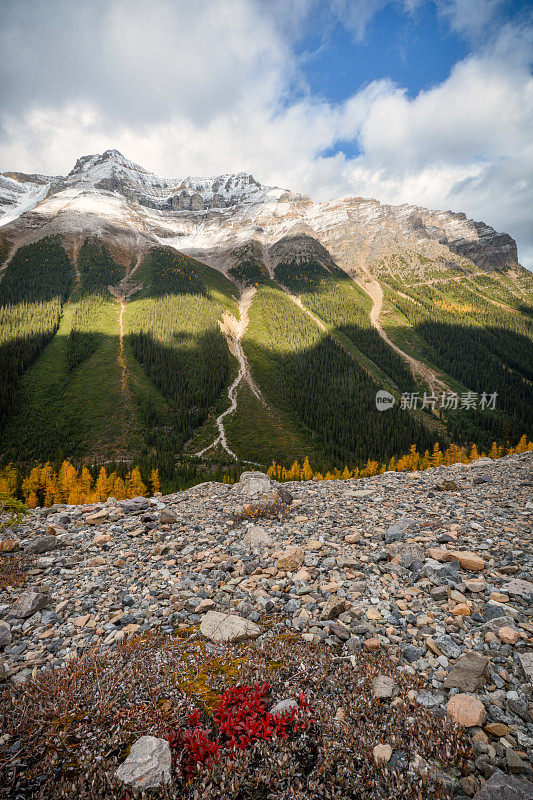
219	627
504	787
441	574
253	483
468	672
134	505
28	603
148	764
333	608
167	516
259	485
466	710
43	544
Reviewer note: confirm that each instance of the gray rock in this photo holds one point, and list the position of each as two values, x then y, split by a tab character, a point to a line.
505	787
333	607
347	561
412	653
5	635
492	611
220	627
428	700
407	549
43	544
442	574
525	661
284	706
396	531
28	603
515	764
384	687
148	764
448	646
254	483
167	516
257	537
134	505
468	672
519	588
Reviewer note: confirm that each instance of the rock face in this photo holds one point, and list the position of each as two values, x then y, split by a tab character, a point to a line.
504	787
148	764
220	627
234	209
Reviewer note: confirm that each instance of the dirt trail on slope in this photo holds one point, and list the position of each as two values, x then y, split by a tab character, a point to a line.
371	286
234	330
298	301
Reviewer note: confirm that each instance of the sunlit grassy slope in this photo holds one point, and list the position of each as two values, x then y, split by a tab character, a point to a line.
89	376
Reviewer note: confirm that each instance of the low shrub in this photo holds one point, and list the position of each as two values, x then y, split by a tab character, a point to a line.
69	729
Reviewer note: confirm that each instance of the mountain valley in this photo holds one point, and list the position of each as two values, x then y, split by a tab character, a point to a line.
199	324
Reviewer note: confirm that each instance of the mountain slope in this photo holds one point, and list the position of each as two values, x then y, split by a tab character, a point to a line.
118	287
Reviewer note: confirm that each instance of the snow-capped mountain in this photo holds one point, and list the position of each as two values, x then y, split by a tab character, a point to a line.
113	197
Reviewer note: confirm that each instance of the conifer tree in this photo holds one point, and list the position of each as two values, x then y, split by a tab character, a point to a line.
154	481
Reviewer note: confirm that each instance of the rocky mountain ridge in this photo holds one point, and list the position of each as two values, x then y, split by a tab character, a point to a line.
209	217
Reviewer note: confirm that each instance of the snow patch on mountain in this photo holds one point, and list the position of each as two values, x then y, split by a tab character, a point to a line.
17	196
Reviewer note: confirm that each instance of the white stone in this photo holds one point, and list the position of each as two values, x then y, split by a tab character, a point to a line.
148	764
219	627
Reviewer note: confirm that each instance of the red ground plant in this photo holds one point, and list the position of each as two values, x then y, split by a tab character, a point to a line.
240	719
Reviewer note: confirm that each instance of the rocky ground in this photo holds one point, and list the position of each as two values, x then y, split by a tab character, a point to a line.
434	568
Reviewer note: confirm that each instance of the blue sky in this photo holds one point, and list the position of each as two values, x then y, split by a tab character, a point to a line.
427	102
417	50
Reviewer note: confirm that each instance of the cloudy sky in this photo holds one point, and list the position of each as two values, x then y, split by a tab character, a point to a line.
421	101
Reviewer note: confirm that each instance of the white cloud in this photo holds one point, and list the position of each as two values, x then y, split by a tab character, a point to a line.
203	88
470	18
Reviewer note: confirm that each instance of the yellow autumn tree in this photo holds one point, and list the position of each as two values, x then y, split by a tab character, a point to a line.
101	488
307	472
474	455
119	489
154	481
436	457
31	486
134	484
32	501
86	483
8	480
